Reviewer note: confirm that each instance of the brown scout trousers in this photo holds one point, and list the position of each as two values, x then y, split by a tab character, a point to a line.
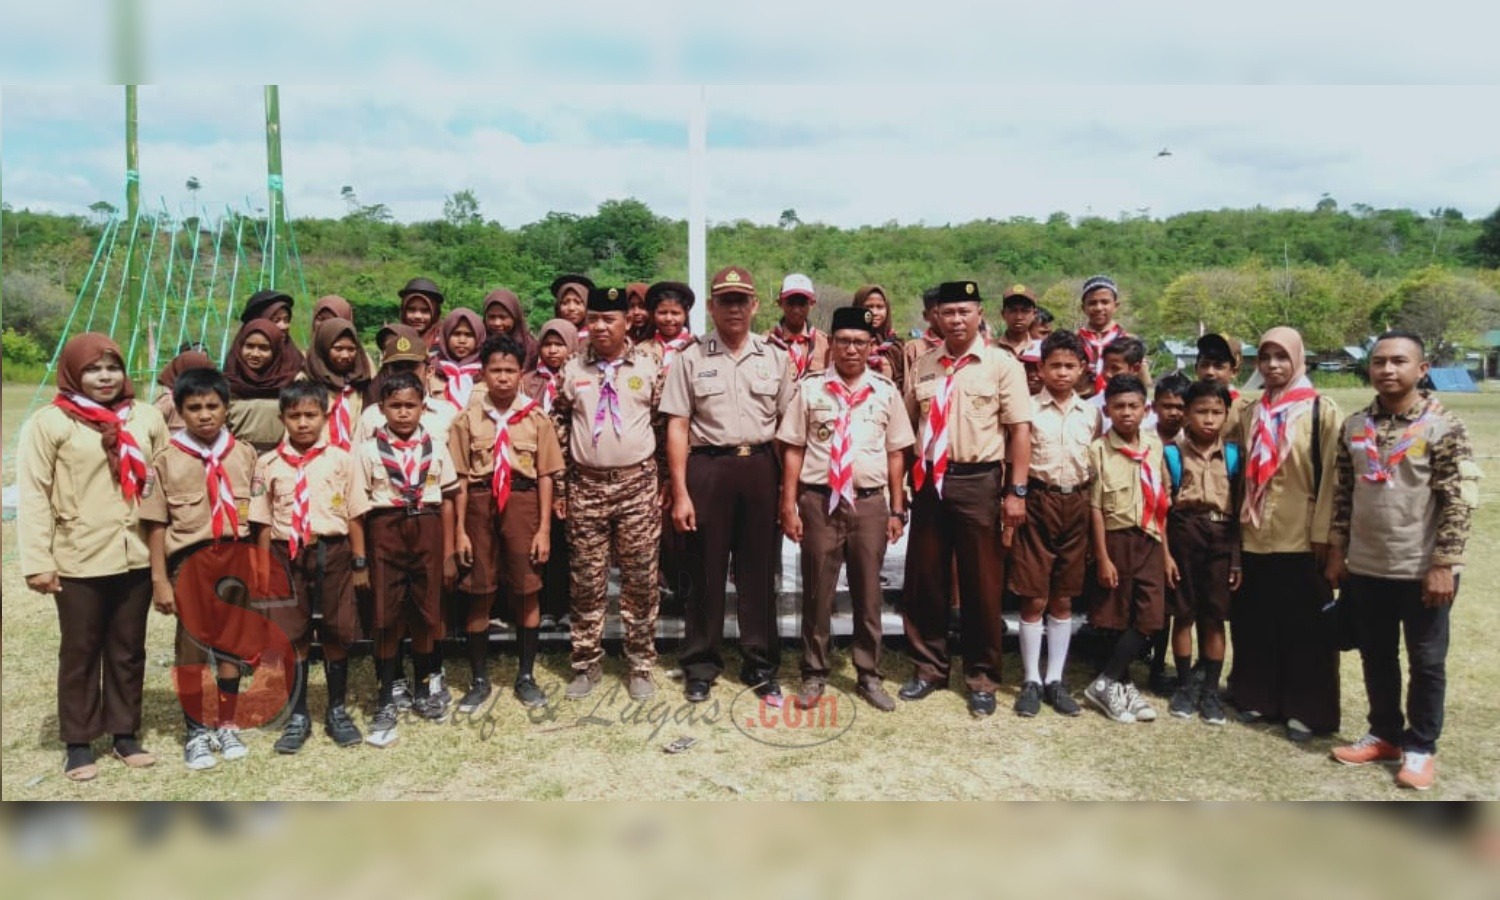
101	660
855	537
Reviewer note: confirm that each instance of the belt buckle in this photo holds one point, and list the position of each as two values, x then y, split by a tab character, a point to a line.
742	450
412	510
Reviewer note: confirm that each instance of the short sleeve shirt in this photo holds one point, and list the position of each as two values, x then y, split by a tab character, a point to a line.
178	496
729	399
534	449
877	427
332	496
989	393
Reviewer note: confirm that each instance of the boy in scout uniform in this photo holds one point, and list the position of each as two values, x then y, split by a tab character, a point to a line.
408	480
605	403
929	339
304	501
197	493
506	453
844	441
1130	496
970	406
1018	309
725	395
1403	510
806	347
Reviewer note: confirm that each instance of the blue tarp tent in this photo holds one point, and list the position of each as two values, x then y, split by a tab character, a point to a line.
1453	381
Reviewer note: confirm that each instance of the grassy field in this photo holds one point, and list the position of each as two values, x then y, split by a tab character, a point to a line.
928	750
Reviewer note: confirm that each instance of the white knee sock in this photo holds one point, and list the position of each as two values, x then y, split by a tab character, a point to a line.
1031	650
1059	633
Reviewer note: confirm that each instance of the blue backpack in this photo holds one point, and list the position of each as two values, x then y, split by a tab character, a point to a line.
1173	456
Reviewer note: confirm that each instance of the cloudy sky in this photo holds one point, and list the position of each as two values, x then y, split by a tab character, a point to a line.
843	153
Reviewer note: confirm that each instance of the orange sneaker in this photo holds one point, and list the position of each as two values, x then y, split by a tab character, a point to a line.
1366	750
1416	771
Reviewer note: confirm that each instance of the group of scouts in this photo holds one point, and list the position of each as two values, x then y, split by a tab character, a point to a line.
457	473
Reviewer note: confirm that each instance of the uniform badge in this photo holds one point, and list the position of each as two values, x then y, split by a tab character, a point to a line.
824	432
969	288
1418	448
763	371
614	294
257	486
523	458
732	277
582	383
635	383
337	502
432	478
149	487
242	506
403	345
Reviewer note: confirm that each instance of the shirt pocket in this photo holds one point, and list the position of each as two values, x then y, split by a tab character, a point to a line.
523	454
982	403
707	387
764	388
188	511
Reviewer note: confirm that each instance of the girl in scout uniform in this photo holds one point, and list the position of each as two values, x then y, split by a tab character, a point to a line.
455	360
558	341
503	315
337	362
887	355
261	362
89	450
188	359
421	307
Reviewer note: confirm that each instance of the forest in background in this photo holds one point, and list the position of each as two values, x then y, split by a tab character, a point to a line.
1337	274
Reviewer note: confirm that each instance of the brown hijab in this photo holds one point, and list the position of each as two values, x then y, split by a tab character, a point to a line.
80	351
563	329
318	367
863	294
246	384
188	359
335	304
450	322
432	335
519	333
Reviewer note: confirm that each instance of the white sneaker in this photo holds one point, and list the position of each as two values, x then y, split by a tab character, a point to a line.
437	689
1139	707
227	739
1109	696
383	727
198	752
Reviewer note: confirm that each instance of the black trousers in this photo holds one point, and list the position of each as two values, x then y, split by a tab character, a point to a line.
1286	657
1383	610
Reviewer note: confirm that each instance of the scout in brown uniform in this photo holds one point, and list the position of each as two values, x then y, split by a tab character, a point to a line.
1205	539
1168	409
259	365
503	315
806	347
970	406
1219	361
1048	555
80	470
931	339
844	442
198	493
605	404
422	309
1130	496
725	394
304	501
669	303
570	295
1018	309
506	453
337	361
558	341
1286	658
187	359
409	482
638	318
1406	491
887	355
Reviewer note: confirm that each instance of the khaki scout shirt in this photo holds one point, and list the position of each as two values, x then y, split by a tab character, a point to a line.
73	519
1116	490
1060	437
257	422
876	427
178	495
437	418
817	347
1205	483
987	396
578	395
169	413
534	450
729	399
1295	516
332	497
370	477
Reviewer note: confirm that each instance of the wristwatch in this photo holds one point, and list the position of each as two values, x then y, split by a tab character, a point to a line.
1020	490
904	515
359	564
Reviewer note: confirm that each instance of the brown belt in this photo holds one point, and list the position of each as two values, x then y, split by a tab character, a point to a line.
314	540
736	450
519	484
825	490
617	473
427	509
1036	484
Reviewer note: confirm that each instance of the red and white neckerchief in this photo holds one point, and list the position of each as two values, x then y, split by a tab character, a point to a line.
500	481
798	346
458	382
1154	497
301	531
341	419
1268	441
131	462
221	505
877	359
1380	468
549	387
406	464
937	426
840	463
1097	341
1234	394
670	349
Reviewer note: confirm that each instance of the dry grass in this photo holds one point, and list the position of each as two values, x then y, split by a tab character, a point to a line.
928	750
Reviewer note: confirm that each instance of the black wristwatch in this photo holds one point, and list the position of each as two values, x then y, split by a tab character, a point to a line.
359	564
1020	490
904	515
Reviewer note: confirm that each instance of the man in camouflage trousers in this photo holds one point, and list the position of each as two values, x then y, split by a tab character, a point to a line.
612	501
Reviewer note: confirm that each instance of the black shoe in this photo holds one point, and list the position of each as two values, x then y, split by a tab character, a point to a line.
1185	701
1211	708
340	727
769	692
548	623
917	689
1060	699
1029	703
528	693
1163	685
294	734
695	690
981	704
478	693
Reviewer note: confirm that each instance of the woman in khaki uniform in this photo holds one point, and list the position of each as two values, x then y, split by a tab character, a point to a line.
89	450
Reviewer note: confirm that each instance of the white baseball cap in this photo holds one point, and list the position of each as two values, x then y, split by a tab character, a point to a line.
797	284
